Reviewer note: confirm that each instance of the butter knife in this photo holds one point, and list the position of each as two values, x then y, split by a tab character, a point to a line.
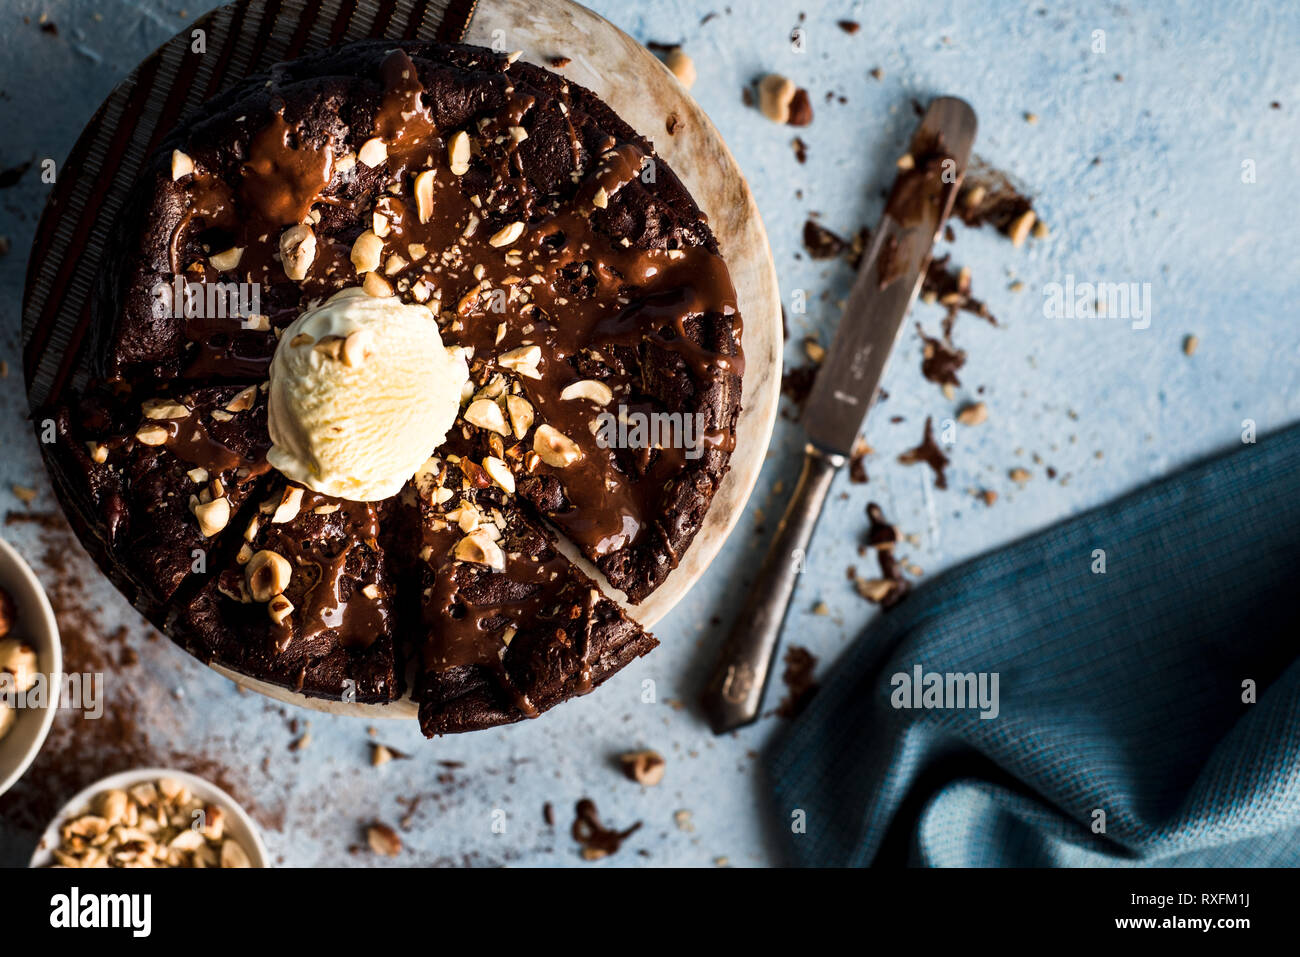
888	279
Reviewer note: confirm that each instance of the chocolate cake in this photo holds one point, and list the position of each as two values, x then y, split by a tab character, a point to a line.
560	256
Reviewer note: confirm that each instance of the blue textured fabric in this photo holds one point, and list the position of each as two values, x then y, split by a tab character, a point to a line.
1119	692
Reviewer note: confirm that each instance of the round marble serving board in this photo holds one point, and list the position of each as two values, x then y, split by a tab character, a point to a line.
640	89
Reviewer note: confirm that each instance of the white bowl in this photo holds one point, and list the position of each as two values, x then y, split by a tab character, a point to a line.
36	626
239	825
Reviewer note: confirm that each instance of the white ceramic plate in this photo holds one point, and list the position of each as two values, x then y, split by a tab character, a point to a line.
238	824
644	93
36	626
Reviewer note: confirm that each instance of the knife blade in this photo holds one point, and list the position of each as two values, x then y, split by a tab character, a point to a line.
889	277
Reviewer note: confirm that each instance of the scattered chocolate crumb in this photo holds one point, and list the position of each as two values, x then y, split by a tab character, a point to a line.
644	767
560	61
797	383
1189	345
11	175
877	73
940	360
820	242
951	289
800	149
801	111
989	496
989	196
548	814
821	608
849	26
1019	476
798	677
747	96
891	588
50	27
1275	105
857	462
596	840
929	453
673	124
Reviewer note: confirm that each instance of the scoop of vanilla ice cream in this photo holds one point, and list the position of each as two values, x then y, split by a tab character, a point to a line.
362	392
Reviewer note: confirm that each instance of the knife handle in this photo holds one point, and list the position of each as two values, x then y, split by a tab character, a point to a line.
734	694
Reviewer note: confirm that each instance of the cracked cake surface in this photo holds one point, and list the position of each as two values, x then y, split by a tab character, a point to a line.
552	247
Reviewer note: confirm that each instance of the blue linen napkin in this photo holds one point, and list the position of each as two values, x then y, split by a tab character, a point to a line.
1119	694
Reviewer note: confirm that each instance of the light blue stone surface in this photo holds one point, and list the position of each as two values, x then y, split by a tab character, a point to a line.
1108	406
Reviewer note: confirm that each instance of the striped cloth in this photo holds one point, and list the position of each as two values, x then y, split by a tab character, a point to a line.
1122	737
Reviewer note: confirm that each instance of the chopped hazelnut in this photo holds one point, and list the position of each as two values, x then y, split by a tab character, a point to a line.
268	574
775	94
182	165
152	435
424	195
297	251
458	152
243	400
1020	227
377	286
373	152
974	414
682	66
522	360
507	235
644	767
228	260
159	409
593	390
479	548
521	415
555	448
367	252
212	516
486	414
279	608
500	473
289	506
383	840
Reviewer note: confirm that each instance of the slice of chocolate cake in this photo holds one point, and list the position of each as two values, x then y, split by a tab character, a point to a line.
306	602
166	475
512	627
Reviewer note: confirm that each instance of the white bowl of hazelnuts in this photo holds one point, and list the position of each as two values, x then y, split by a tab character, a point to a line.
31	666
